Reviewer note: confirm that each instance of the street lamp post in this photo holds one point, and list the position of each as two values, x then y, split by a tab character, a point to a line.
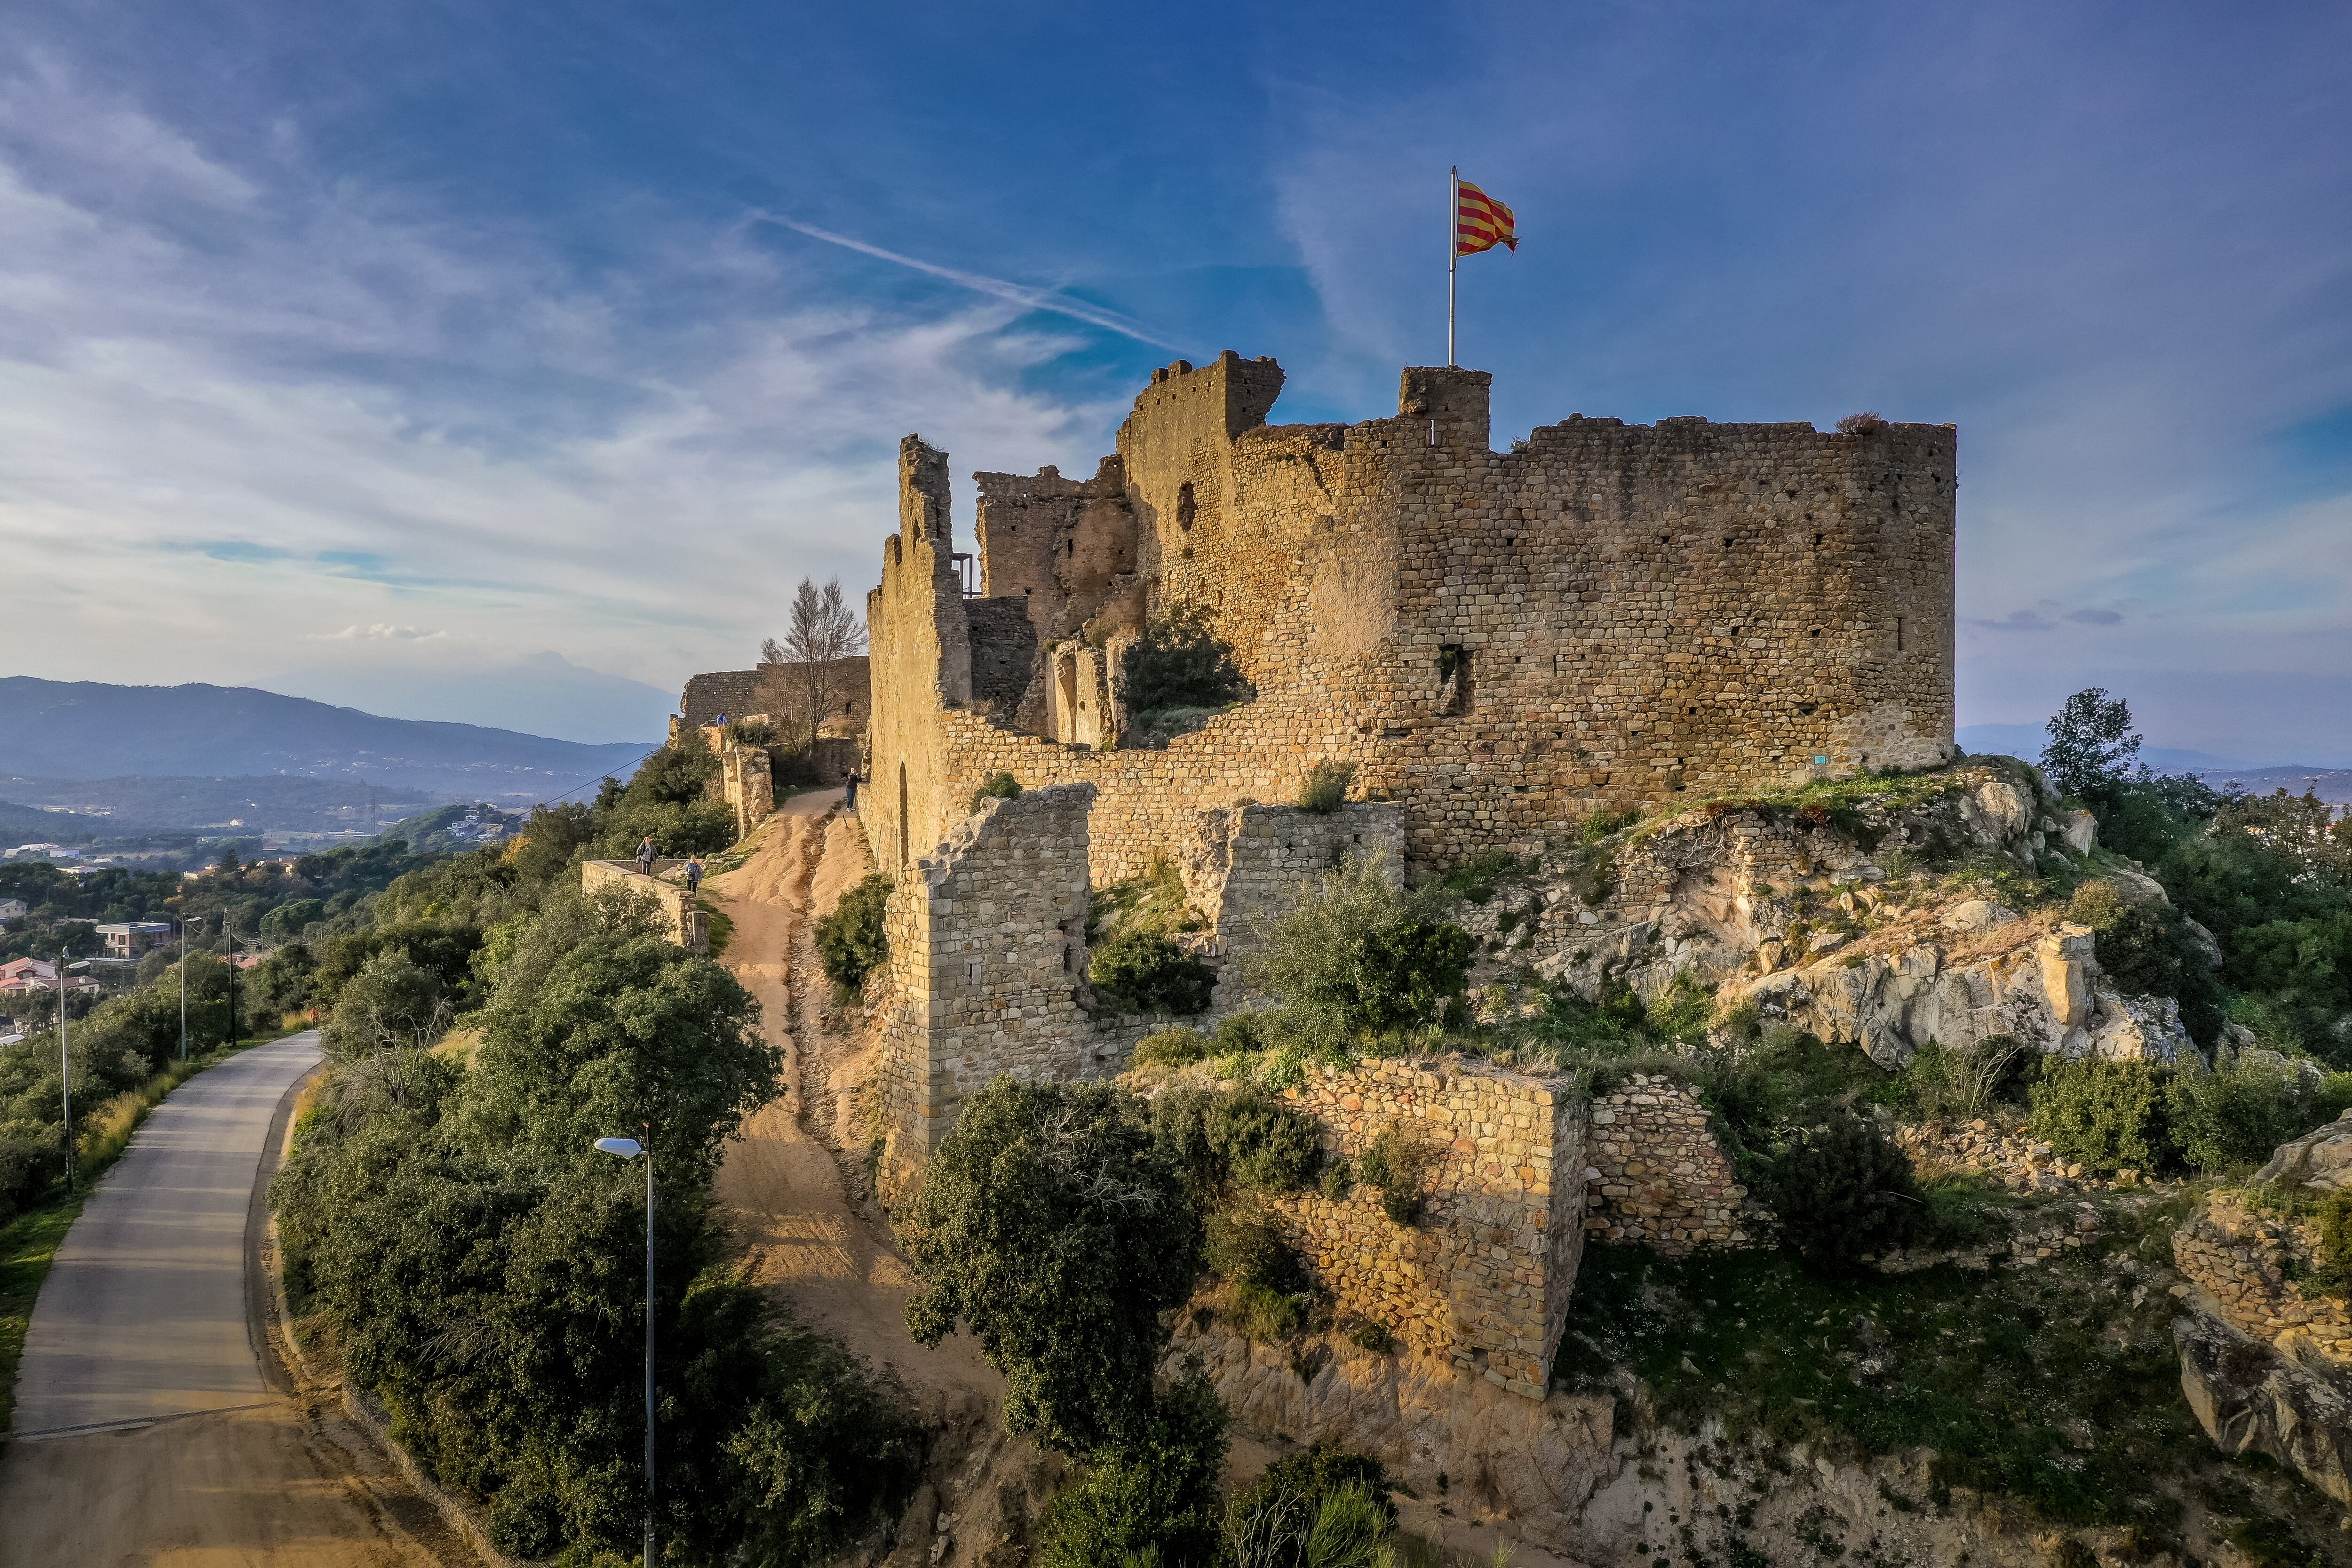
630	1148
184	986
65	1068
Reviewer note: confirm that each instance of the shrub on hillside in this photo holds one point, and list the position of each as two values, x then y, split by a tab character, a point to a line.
2238	1113
1266	1146
1961	1082
1246	1247
851	941
1354	956
1842	1191
1150	1501
1141	970
1052	1228
1320	1505
1174	1046
2107	1115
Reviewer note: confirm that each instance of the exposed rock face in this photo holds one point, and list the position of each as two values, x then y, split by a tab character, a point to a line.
1532	1461
2320	1159
2249	1395
1790	911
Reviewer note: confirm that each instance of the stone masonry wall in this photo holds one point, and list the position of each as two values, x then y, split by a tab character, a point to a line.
1484	1277
1499	641
987	945
2247	1261
1653	1173
689	927
1244	864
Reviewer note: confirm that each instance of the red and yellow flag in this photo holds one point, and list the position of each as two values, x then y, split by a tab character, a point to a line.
1480	222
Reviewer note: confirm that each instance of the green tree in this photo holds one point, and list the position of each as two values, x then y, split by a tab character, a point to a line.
2092	747
1051	1228
853	942
1178	662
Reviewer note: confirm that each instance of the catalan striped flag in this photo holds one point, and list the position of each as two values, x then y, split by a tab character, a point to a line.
1480	222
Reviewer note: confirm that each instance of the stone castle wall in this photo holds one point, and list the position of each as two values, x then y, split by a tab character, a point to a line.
2249	1260
1484	1277
987	943
1654	1174
1499	641
1244	865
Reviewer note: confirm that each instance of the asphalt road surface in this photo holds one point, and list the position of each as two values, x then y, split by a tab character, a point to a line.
153	1423
144	1312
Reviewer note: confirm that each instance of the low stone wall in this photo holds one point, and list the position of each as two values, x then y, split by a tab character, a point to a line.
689	927
1484	1277
1654	1174
2247	1260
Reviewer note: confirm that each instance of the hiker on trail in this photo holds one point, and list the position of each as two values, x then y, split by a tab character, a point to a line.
693	874
850	800
645	856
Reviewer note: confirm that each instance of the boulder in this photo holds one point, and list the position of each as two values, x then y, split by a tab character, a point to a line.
2320	1159
2249	1397
2080	830
1974	916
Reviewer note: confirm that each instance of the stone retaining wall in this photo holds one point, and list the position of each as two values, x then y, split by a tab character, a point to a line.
2246	1260
1654	1174
1484	1277
690	926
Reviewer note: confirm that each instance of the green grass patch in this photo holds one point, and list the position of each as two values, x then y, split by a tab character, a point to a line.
28	1243
2046	1384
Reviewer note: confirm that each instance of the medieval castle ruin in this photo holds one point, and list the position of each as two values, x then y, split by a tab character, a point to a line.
1496	642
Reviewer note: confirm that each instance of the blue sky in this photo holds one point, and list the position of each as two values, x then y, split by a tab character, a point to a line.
492	363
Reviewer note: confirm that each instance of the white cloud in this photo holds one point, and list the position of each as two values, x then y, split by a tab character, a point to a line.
217	445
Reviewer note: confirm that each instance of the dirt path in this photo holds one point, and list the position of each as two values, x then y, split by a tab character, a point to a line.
781	1187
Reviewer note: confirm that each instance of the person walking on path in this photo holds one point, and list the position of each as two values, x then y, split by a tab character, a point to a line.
849	800
693	874
645	856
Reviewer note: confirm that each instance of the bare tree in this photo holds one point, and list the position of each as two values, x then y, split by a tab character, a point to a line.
800	678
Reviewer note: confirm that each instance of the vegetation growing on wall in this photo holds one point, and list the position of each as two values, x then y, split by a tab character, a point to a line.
1356	961
852	941
1178	670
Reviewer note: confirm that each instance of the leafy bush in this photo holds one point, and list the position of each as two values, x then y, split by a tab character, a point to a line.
2333	1219
390	1005
1326	787
1172	1047
1246	1247
1841	1191
1319	1508
2107	1115
289	919
1398	1161
2237	1114
1265	1145
1143	971
852	941
1052	1226
998	785
1178	662
1372	1335
1355	956
1151	1501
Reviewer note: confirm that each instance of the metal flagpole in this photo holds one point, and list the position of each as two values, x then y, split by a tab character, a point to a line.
1452	246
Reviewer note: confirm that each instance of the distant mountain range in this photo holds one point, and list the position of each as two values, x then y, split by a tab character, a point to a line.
161	736
2331	784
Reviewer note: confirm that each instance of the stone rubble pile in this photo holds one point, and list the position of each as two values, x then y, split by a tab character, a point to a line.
2005	1155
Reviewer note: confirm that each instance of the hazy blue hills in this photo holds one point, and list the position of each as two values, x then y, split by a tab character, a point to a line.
53	731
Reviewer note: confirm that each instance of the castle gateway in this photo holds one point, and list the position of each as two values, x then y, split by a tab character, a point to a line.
1605	615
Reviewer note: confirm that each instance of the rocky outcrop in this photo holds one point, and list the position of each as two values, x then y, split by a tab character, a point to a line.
1533	1461
2250	1396
2320	1160
1791	909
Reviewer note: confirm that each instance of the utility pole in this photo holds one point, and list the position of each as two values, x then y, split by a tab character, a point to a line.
184	985
65	1068
230	937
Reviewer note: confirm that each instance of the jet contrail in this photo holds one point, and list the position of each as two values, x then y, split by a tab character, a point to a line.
1029	299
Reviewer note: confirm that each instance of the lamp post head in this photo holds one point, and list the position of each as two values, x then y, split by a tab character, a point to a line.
626	1148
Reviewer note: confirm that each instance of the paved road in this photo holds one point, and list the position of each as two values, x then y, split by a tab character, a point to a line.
143	1314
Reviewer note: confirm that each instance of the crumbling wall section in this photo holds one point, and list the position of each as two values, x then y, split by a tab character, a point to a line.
987	945
1605	615
1003	655
1654	1173
1244	865
1483	1277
